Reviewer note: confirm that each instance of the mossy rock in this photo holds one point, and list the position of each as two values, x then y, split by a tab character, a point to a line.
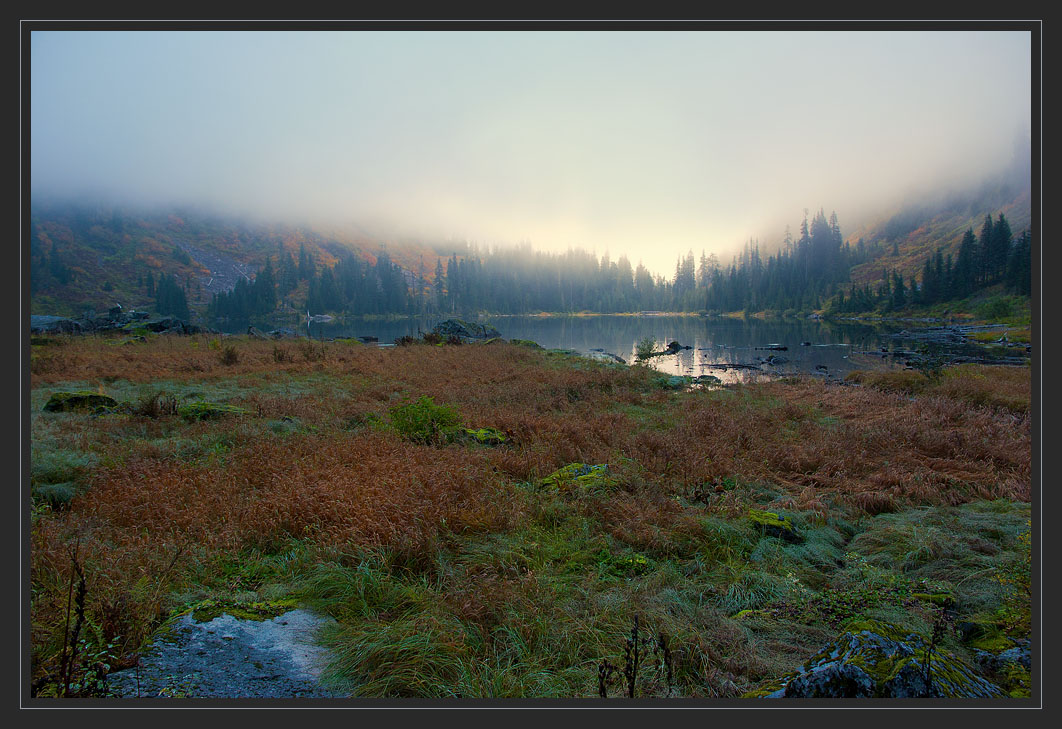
480	436
775	526
207	610
525	343
873	659
936	598
203	410
63	402
581	477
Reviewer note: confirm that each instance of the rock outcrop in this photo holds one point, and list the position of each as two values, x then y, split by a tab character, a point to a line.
877	660
464	330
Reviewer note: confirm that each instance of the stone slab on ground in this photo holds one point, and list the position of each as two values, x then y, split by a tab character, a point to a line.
230	658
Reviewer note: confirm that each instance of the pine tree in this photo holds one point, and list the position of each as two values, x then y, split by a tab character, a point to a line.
984	254
1000	247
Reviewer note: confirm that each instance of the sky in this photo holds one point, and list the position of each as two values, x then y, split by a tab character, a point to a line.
637	143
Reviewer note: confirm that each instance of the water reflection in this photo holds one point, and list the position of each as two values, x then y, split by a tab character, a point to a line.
731	349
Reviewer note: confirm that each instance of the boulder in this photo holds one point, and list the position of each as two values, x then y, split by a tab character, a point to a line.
775	526
282	333
171	325
482	436
873	659
998	662
41	324
581	477
85	400
465	330
525	343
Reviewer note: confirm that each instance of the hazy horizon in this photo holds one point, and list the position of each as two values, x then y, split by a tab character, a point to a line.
644	144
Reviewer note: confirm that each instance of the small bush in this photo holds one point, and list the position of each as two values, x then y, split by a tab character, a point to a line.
433	338
645	348
229	355
423	421
312	352
405	340
156	405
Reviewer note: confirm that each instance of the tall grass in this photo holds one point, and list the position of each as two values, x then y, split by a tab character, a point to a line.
450	571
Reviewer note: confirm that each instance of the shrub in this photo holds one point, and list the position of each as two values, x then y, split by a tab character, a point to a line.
645	348
156	405
423	421
229	355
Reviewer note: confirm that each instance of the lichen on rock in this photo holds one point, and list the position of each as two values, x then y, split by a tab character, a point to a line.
775	525
582	477
873	659
85	400
482	436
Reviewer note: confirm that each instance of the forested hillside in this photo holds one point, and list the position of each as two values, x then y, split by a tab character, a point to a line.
186	263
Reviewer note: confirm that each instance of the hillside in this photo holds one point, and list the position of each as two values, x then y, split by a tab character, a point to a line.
93	257
904	238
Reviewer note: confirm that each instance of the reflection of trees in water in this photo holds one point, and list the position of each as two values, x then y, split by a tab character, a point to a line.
834	345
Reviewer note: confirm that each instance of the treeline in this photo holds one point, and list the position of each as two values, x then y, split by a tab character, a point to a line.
810	271
993	258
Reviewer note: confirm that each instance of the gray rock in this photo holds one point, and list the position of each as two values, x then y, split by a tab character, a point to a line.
465	330
230	658
997	662
43	324
876	660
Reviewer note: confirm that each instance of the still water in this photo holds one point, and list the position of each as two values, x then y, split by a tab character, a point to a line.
824	348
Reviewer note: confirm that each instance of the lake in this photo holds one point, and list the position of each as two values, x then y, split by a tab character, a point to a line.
829	349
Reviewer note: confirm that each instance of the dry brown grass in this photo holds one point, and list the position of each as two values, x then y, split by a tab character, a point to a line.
963	437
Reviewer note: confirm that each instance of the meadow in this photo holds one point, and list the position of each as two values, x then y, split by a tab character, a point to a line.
341	477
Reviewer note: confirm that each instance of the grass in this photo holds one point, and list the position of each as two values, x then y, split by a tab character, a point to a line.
450	567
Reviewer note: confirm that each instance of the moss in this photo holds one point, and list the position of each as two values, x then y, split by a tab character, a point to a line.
207	610
483	436
61	402
876	659
525	343
937	598
202	410
774	525
993	643
581	477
